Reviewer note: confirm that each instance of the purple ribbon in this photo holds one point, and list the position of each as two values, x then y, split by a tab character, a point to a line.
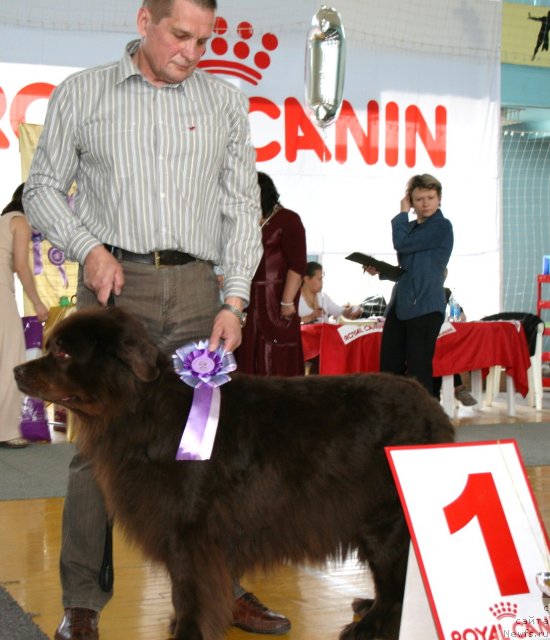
205	371
37	251
57	258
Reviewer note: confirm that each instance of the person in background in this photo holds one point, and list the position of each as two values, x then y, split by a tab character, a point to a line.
15	236
416	309
164	165
272	343
317	306
461	391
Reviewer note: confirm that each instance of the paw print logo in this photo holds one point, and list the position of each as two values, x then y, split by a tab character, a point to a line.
504	610
251	58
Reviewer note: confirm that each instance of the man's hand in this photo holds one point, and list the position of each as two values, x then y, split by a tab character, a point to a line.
227	327
103	274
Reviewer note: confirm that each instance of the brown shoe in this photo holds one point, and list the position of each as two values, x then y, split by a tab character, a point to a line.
251	615
78	624
464	396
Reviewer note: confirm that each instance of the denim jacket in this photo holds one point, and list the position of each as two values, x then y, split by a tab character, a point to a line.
423	250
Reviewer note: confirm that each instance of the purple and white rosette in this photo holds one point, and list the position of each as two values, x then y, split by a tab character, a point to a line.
205	371
57	258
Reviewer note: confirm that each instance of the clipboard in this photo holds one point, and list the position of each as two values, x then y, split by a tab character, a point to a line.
387	270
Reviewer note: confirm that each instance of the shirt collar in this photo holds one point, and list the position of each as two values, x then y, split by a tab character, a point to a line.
127	68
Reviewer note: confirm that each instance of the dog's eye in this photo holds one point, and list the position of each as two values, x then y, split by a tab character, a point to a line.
62	355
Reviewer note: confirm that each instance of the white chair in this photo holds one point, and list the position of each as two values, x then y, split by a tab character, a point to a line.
534	374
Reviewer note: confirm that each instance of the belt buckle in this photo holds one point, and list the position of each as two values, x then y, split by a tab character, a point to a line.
157	259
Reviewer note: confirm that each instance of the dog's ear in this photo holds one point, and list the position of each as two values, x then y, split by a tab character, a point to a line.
133	345
140	356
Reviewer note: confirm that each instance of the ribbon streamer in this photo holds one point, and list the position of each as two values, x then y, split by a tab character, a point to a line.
197	440
205	371
37	252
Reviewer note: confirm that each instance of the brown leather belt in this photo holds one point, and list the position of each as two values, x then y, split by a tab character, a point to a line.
166	258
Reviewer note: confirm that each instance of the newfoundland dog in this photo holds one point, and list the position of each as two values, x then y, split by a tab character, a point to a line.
298	472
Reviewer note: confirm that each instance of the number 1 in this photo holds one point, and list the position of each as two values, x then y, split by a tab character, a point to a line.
480	499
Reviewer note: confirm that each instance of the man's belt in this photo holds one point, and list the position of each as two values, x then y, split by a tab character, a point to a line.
164	258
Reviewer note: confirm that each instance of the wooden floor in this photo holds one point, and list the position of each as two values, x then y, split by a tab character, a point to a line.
316	601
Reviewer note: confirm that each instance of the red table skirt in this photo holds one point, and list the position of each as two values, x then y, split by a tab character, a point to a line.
472	346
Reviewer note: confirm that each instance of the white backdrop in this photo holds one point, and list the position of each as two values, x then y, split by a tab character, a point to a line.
436	57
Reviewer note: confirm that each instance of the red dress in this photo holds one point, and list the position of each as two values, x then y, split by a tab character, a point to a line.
272	345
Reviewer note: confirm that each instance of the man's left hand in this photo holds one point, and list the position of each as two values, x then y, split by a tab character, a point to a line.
227	327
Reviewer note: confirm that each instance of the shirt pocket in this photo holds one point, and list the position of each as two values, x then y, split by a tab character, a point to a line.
111	148
198	147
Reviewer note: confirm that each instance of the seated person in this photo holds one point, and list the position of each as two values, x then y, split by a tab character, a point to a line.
461	391
317	307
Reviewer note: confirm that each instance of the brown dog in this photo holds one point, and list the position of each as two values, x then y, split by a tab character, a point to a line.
298	472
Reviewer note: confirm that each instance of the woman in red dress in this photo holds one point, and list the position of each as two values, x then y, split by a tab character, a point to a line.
271	342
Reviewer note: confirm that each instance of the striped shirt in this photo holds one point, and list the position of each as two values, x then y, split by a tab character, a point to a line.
155	168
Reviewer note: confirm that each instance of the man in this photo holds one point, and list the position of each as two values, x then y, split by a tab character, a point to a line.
166	187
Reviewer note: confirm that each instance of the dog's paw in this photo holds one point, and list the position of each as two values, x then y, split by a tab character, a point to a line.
361	606
374	624
352	632
182	631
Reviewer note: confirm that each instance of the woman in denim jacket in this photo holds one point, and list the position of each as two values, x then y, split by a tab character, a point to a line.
416	309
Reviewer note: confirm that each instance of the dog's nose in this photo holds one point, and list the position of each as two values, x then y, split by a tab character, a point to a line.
18	372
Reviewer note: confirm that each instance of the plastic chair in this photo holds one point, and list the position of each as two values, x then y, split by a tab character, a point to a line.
533	326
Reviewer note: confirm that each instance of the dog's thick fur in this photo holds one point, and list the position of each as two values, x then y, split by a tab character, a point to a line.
298	472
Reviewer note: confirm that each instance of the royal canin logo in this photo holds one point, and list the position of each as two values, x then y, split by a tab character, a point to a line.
242	50
507	625
504	610
387	132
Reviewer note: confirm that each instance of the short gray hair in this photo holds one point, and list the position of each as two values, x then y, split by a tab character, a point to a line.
162	8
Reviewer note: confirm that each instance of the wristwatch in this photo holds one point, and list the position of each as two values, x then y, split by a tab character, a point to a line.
237	312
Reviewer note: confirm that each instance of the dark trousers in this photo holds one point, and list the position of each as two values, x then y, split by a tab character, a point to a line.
408	346
177	305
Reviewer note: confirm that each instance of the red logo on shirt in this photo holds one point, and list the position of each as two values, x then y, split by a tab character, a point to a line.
249	63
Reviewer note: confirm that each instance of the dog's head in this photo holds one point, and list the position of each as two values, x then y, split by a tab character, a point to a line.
96	361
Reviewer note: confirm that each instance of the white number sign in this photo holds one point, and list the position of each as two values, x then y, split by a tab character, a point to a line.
478	539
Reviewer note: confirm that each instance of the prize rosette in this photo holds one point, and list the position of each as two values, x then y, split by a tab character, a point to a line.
57	258
205	371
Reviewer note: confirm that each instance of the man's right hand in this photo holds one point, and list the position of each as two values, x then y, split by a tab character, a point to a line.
103	274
